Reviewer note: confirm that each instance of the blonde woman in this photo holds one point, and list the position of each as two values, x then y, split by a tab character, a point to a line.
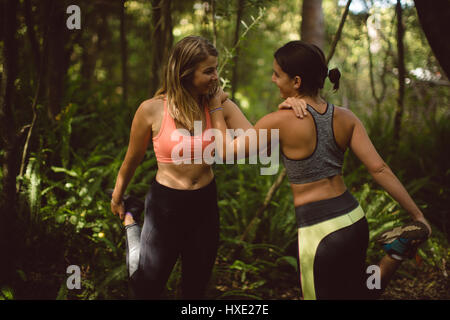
181	211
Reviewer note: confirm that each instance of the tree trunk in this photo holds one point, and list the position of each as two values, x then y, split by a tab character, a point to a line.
59	57
29	21
313	27
96	21
161	40
401	76
434	16
123	54
234	79
214	26
10	141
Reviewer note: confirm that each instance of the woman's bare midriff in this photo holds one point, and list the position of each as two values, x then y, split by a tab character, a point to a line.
318	190
184	176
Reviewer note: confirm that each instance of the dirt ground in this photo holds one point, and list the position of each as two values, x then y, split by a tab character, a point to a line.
419	283
412	281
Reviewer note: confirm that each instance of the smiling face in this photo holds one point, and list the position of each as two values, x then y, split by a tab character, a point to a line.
288	86
205	76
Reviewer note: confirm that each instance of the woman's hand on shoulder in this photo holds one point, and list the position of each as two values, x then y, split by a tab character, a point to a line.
218	99
298	105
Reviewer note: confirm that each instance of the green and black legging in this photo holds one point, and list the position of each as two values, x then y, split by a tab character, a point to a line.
333	236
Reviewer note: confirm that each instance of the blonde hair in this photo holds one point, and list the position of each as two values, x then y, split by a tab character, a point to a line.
178	75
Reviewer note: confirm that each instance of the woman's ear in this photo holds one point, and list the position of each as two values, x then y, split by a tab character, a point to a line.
297	82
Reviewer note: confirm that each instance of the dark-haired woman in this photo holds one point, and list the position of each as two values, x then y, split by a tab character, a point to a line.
333	232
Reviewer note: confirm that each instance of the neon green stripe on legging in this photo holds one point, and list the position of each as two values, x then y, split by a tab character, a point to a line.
308	240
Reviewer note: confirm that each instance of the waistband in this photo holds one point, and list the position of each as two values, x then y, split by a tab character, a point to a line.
322	210
176	198
209	186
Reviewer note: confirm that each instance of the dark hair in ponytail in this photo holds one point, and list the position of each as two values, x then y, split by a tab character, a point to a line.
298	58
334	75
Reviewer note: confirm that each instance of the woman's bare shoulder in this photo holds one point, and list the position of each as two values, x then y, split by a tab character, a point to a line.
150	111
344	114
279	119
150	106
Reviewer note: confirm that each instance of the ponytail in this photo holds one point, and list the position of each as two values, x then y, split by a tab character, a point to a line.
334	75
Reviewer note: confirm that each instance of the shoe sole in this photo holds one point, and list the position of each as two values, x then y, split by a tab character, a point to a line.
414	231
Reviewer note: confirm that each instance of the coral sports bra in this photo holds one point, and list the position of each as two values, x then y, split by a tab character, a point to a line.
172	145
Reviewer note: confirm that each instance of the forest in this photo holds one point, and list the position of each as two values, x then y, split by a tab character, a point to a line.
71	80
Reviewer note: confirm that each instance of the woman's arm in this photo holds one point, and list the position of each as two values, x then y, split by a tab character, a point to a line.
140	135
235	119
363	148
247	143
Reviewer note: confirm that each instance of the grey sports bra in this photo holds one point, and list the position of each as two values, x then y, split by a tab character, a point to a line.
326	159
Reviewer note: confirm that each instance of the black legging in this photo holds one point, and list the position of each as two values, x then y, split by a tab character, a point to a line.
177	222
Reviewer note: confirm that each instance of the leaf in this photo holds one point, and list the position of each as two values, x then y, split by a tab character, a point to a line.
73	220
270	247
290	260
34	191
34	181
6	293
22	275
109	244
62	292
64	170
118	273
239	293
60	218
242	266
257	284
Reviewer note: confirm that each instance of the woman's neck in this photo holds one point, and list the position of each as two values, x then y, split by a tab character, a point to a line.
312	100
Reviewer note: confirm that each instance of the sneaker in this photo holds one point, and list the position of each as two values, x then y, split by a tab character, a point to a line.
402	242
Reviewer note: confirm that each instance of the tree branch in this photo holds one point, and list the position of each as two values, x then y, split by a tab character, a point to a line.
337	36
401	76
266	202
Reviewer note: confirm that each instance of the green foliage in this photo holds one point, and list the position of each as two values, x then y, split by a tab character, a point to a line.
382	213
72	202
6	293
63	209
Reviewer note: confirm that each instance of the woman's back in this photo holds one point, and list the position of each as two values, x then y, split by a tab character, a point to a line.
314	171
